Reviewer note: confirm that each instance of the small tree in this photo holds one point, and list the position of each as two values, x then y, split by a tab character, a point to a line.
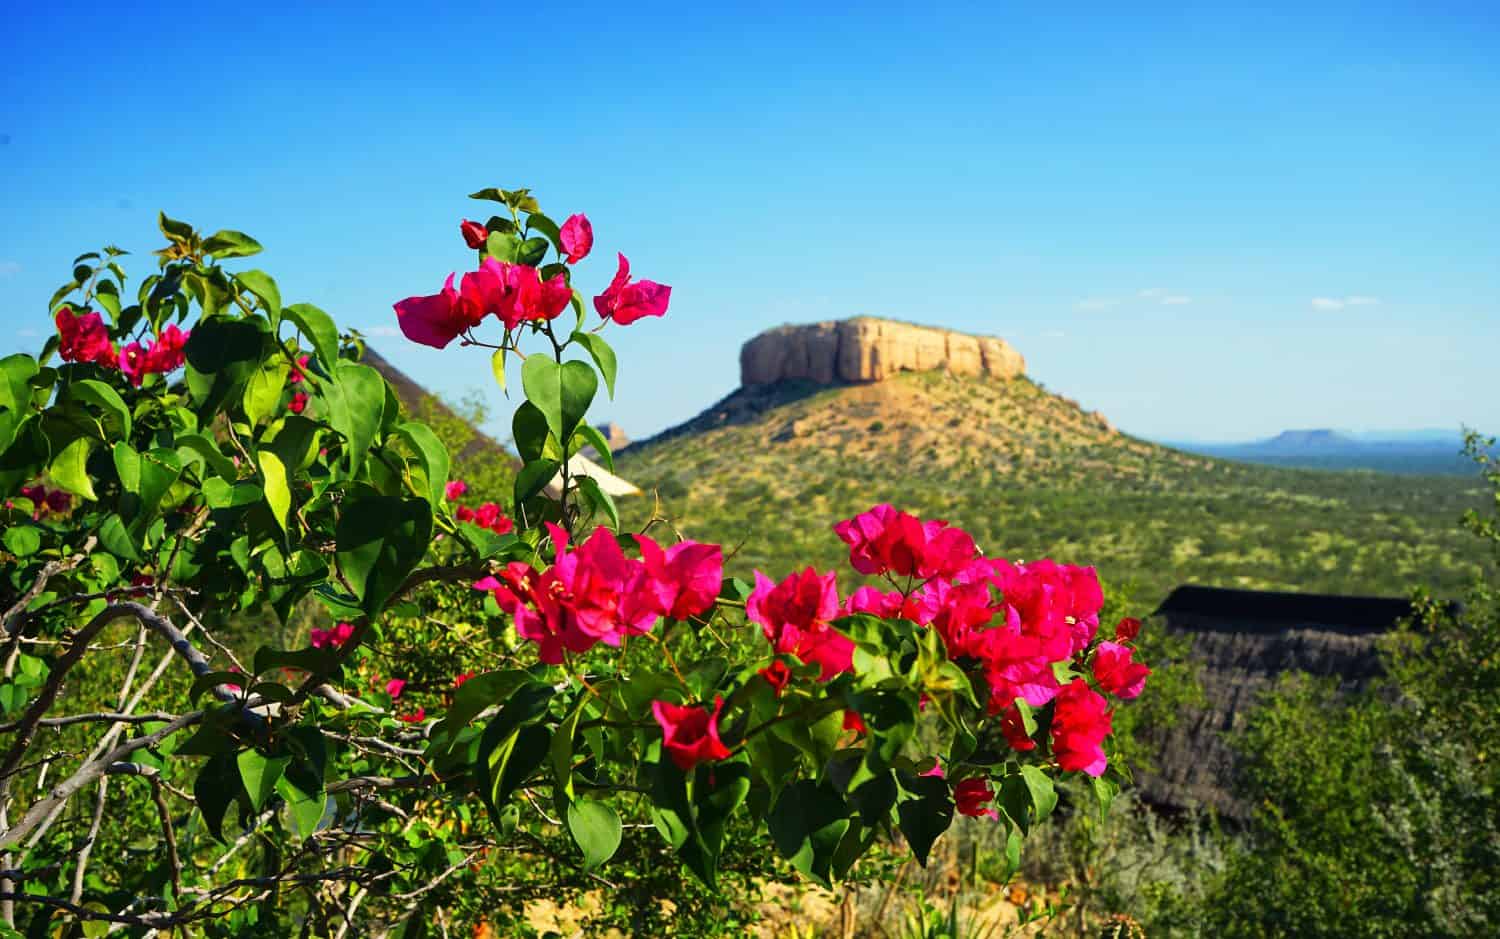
512	684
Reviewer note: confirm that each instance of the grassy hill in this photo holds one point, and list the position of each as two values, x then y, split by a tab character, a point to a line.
1031	474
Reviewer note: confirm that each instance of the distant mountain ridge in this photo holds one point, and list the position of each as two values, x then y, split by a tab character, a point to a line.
1411	452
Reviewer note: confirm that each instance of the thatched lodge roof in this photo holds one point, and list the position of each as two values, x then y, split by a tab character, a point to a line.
1243	641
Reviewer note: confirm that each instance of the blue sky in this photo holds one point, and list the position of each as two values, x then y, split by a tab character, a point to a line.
1206	223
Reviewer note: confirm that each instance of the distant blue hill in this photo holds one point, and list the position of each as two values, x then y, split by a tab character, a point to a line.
1416	452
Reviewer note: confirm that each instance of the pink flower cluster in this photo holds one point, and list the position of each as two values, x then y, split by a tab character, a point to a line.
488	515
331	638
44	500
594	593
154	358
82	337
516	293
1013	622
795	615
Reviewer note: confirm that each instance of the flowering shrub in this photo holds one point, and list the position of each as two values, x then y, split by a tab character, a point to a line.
232	460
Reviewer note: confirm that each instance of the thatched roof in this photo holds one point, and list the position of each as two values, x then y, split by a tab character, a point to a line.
1243	641
580	465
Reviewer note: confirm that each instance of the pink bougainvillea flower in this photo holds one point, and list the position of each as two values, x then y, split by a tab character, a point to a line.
972	795
887	540
299	370
475	234
1117	671
298	404
84	338
1080	723
1127	629
852	721
1014	729
794	616
133	363
58	501
625	302
577	237
777	675
685	577
460	678
937	770
394	687
690	735
434	320
331	638
589	595
167	353
414	717
456	488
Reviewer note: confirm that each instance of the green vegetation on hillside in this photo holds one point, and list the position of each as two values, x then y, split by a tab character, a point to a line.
1031	475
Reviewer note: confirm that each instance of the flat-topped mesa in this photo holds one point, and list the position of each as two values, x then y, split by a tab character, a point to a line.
865	349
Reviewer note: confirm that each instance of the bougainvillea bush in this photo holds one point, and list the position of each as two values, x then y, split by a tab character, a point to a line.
270	669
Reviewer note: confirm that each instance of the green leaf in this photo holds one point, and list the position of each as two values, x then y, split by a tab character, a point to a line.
379	540
512	747
533	478
278	487
531	251
562	393
218	785
211	456
22	540
16	372
924	819
208	681
502	246
69	469
306	808
356	408
473	696
228	243
1105	790
497	366
592	437
591	489
319	329
220	494
114	538
221	355
98	393
107	295
602	354
807	824
264	390
259	774
561	751
595	826
173	229
1043	793
539	222
528	429
265	290
432	453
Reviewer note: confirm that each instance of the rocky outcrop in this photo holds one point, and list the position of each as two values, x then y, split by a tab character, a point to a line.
865	350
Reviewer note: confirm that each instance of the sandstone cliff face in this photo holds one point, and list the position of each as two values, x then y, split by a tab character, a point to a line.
865	350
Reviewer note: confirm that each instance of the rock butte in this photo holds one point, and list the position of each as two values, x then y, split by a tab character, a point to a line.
865	349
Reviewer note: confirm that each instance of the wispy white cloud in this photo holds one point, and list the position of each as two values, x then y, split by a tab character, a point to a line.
384	332
1338	303
9	268
1164	296
1095	304
1054	334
